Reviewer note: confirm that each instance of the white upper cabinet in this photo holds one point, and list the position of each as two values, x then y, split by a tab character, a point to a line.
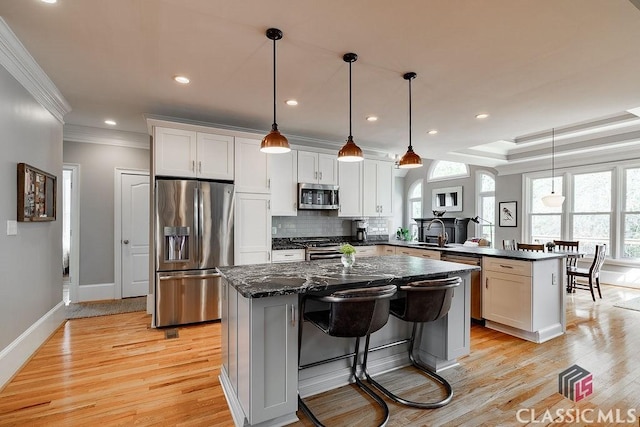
252	167
252	229
215	154
175	152
378	188
317	168
190	154
350	181
284	183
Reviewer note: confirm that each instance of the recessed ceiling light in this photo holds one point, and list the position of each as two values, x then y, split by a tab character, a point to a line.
372	118
110	122
49	1
291	102
432	132
482	116
182	79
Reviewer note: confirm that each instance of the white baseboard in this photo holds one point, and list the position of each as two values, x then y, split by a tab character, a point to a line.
16	354
96	292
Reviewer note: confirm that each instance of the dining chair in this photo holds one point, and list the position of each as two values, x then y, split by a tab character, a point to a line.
509	245
592	273
568	246
530	247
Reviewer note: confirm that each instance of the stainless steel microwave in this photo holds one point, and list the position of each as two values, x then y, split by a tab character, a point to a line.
317	196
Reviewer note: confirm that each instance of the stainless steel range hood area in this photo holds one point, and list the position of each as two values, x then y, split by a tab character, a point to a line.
318	196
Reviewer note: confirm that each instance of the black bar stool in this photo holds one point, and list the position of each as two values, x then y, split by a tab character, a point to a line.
352	313
424	301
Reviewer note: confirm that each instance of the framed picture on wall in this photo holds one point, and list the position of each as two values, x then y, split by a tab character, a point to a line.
507	214
36	194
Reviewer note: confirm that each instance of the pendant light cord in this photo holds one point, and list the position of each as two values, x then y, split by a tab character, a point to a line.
274	81
553	164
410	146
350	135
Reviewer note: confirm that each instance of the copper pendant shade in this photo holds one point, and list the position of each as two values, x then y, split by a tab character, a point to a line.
350	152
274	142
410	159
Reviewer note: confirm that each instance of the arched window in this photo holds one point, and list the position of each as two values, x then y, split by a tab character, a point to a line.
443	169
486	207
414	208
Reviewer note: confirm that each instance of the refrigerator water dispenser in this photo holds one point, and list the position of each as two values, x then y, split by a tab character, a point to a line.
176	244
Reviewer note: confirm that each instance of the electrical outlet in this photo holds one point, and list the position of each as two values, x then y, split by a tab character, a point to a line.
554	279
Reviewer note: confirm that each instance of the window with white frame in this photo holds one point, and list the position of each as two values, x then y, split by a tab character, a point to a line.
602	206
443	169
631	214
486	206
591	216
414	200
545	223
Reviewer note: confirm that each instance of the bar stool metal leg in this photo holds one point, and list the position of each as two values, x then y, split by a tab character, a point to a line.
423	369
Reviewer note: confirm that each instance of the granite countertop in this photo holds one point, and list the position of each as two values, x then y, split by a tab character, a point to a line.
264	280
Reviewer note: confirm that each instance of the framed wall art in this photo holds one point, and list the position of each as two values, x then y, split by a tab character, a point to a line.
36	194
507	213
449	199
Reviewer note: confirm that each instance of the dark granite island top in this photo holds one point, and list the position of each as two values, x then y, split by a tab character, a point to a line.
265	280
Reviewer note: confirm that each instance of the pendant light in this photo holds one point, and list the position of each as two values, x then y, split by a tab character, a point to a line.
553	200
410	159
350	152
274	142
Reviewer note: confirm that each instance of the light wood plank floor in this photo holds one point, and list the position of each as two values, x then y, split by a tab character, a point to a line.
116	371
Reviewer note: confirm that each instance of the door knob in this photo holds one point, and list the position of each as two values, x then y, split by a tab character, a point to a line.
126	242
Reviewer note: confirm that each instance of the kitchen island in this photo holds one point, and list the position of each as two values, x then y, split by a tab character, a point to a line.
260	324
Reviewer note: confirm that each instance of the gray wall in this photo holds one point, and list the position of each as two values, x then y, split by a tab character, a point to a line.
509	189
97	178
31	262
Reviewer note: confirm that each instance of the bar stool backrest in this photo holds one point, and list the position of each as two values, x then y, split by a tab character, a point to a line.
428	300
598	260
531	247
358	312
567	245
509	245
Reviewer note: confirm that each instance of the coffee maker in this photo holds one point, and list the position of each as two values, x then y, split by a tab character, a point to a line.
361	227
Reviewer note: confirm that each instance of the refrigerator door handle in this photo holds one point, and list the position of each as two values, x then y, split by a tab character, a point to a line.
197	222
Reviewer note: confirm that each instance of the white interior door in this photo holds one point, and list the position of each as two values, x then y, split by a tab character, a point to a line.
135	235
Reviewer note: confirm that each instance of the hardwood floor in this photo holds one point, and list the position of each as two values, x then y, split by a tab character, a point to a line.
115	370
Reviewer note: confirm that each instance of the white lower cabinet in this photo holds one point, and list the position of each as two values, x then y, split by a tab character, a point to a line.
524	298
261	357
287	255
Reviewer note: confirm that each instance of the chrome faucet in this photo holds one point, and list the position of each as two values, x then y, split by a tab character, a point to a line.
442	237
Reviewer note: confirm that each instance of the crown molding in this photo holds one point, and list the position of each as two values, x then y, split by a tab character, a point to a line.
91	135
21	65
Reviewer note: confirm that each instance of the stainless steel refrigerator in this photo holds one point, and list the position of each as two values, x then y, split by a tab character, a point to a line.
193	236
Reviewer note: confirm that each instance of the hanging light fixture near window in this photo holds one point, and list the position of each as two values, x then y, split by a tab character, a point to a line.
553	200
410	159
350	152
274	142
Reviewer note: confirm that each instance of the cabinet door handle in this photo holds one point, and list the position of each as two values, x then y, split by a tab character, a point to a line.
486	283
269	183
269	205
193	165
293	315
320	176
506	266
340	208
294	206
199	166
315	175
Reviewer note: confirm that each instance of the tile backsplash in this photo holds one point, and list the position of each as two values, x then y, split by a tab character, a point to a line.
323	223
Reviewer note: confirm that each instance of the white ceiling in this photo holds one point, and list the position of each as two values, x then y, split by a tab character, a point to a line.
532	65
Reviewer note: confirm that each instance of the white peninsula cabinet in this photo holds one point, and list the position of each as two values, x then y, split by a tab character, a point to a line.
260	357
191	154
524	298
378	188
317	168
